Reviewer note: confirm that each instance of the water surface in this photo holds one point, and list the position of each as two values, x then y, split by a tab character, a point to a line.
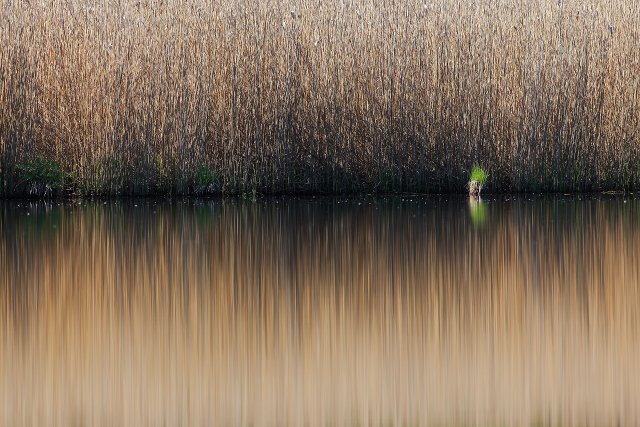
326	311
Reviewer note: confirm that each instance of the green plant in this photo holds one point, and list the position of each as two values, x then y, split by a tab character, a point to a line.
205	176
479	175
38	172
206	181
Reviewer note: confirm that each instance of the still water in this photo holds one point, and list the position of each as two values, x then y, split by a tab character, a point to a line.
328	312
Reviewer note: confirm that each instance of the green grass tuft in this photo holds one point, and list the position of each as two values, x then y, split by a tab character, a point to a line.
40	172
478	174
206	181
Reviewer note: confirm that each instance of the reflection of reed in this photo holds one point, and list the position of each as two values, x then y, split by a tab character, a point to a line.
320	313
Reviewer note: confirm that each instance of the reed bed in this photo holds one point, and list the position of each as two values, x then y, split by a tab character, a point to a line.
193	96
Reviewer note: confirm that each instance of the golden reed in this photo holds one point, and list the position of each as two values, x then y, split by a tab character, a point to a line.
142	96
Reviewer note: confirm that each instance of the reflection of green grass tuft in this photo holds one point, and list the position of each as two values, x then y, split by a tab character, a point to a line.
44	221
479	213
478	174
206	214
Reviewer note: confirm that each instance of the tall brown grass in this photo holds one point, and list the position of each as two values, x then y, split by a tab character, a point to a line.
139	96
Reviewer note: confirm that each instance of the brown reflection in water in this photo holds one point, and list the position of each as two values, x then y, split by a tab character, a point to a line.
329	312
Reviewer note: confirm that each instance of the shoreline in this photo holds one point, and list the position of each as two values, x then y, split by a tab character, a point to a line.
486	196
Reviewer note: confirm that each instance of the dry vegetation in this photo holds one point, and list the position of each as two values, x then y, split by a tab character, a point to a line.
124	96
